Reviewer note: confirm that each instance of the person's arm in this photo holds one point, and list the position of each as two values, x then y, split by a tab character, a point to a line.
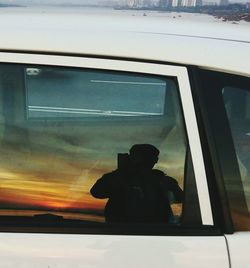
105	186
175	189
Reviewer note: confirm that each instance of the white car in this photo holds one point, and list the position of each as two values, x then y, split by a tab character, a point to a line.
76	90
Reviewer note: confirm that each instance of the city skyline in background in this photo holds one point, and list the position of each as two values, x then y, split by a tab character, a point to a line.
130	3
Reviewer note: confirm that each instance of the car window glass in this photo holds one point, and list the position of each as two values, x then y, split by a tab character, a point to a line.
237	103
98	94
62	129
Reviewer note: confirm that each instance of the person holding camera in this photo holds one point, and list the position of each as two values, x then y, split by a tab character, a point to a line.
136	192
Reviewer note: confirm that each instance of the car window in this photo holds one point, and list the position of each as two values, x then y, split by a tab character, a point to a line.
63	129
237	104
224	100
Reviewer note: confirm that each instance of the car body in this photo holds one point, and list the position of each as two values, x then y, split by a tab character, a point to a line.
65	116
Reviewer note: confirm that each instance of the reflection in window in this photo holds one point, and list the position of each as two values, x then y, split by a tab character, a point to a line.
52	93
237	103
47	167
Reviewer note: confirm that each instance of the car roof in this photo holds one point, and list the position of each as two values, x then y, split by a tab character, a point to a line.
212	45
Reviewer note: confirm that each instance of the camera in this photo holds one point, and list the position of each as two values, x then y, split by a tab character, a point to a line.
123	161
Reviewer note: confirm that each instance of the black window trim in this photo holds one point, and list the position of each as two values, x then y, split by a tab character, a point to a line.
214	129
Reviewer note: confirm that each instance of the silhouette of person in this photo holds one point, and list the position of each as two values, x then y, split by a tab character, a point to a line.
136	192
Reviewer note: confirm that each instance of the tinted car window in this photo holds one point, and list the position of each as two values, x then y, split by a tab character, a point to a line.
224	100
52	93
237	104
63	128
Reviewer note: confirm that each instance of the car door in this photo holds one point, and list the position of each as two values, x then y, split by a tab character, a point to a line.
225	107
64	119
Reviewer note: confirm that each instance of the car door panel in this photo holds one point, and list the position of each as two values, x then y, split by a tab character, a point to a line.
107	251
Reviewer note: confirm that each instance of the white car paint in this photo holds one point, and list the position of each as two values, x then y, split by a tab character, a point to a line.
84	251
129	37
238	245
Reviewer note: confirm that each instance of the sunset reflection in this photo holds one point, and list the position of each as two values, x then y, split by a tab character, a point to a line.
30	184
49	164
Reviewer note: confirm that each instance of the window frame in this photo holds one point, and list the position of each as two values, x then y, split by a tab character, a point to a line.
217	141
182	77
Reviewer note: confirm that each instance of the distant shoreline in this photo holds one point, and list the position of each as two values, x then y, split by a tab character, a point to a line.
53	5
228	13
231	14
